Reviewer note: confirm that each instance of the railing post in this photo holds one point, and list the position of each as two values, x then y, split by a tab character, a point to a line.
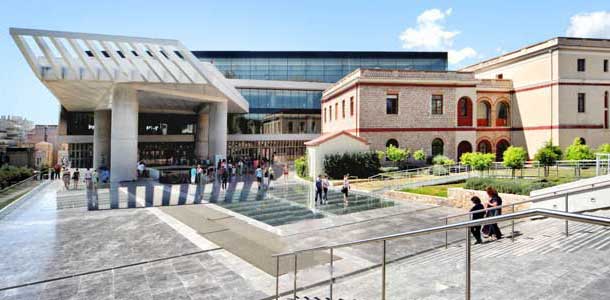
446	234
331	273
383	271
566	205
294	290
512	236
277	278
467	287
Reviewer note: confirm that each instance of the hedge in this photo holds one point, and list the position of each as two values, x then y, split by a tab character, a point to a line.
359	164
508	186
10	175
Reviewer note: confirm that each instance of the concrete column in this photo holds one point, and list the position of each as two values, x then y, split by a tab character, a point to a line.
217	136
124	138
101	138
201	139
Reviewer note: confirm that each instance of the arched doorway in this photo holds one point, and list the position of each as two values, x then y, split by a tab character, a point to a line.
501	146
463	147
483	114
582	141
437	147
503	114
391	142
464	111
484	146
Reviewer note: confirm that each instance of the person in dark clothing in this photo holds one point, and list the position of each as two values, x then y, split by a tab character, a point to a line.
319	189
494	200
476	230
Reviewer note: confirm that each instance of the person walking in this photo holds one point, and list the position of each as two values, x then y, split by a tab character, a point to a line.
259	176
66	179
476	230
75	178
494	201
57	170
325	186
199	172
345	188
193	173
318	189
88	178
271	175
266	178
286	173
224	177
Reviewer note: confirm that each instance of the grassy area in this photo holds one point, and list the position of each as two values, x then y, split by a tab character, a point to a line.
13	197
433	190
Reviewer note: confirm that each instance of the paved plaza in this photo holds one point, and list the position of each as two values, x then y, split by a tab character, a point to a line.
54	248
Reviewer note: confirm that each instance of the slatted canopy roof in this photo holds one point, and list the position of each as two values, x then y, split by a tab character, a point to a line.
82	69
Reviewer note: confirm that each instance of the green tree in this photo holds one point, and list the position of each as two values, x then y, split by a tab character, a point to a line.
419	155
578	151
603	148
514	158
442	160
548	156
396	154
478	161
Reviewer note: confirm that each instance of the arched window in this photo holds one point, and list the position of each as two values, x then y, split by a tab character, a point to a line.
464	112
484	146
503	114
501	146
582	141
463	147
437	147
483	114
392	142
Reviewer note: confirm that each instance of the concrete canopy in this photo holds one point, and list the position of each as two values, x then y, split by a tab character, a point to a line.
82	70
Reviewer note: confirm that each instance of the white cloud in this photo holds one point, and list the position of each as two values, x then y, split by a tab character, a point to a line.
590	25
430	35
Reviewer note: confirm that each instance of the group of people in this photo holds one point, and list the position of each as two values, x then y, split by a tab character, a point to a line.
90	177
264	176
480	211
323	184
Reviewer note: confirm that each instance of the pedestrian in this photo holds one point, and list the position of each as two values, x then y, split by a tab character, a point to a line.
199	171
325	186
140	169
345	188
224	177
319	188
494	201
266	179
66	179
286	173
57	170
479	214
193	173
88	178
75	178
271	176
259	176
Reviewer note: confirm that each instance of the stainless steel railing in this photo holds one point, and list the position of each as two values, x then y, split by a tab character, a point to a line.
538	198
444	228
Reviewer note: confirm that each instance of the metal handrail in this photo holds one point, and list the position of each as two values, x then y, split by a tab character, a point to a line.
603	221
537	198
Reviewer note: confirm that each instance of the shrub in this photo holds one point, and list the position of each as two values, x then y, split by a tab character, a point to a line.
514	158
419	155
578	151
603	148
359	164
396	154
477	160
301	166
380	155
442	160
439	170
509	186
11	174
389	169
548	156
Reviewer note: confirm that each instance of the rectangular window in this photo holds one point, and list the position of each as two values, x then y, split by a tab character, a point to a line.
581	102
605	65
437	105
581	65
330	112
343	109
336	111
351	106
391	104
325	115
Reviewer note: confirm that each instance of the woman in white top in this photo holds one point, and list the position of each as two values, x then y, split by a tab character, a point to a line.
345	188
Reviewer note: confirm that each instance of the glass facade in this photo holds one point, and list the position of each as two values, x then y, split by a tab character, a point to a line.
164	124
79	123
315	66
81	155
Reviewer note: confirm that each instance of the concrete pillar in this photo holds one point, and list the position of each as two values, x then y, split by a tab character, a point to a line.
101	138
217	135
124	138
201	139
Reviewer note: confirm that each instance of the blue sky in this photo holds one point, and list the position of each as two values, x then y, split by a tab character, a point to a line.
470	30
